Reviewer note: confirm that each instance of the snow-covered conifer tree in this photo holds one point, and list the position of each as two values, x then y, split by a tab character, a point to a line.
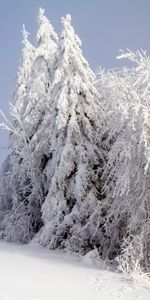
26	155
42	73
73	171
12	175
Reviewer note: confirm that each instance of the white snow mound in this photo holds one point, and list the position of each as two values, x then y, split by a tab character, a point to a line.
33	273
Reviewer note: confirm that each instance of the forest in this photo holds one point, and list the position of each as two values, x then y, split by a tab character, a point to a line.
77	176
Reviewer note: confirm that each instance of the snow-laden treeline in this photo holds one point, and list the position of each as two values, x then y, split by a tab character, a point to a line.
77	176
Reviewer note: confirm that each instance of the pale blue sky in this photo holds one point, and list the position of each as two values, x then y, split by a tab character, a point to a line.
104	26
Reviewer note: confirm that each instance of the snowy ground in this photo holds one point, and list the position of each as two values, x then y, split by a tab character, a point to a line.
32	273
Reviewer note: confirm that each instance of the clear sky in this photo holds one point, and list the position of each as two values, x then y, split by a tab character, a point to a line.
104	26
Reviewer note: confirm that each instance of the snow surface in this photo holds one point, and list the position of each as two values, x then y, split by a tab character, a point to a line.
33	273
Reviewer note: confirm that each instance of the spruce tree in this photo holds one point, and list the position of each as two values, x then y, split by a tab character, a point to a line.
72	174
12	168
42	72
26	157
